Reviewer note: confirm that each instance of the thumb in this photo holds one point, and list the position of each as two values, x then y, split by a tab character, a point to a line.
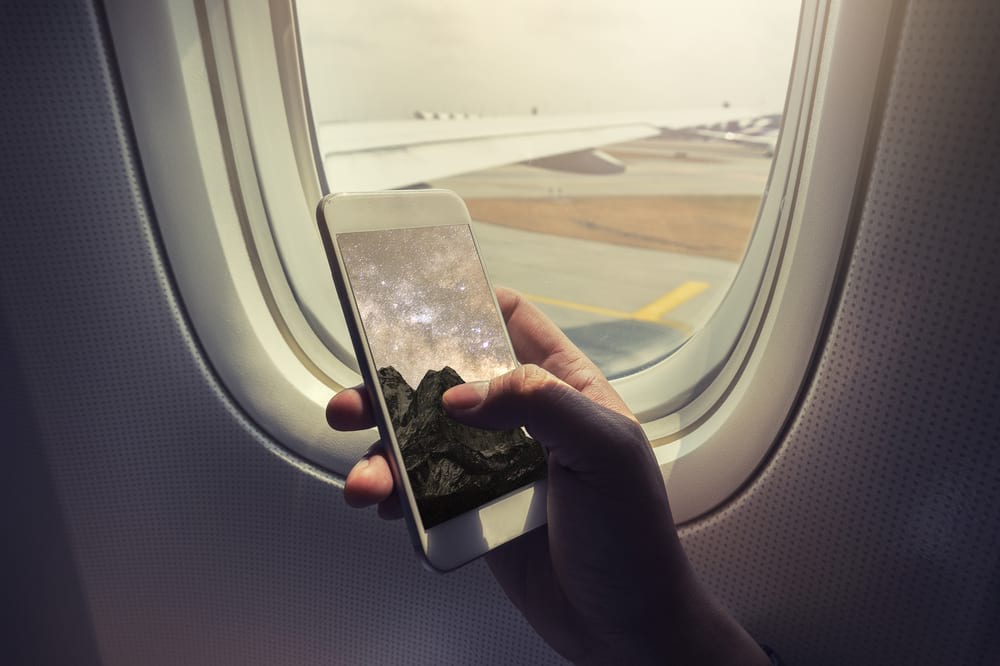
581	434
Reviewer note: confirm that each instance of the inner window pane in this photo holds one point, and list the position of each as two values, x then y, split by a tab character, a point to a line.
613	155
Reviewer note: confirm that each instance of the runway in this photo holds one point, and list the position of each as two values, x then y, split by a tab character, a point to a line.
629	265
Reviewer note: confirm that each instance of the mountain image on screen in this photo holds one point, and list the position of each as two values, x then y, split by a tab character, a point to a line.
452	467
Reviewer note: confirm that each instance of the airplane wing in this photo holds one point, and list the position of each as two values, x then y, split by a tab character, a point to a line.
365	156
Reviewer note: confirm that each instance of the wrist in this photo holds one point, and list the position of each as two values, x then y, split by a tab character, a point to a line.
699	631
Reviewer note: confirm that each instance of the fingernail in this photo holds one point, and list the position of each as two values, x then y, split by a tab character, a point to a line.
364	462
465	396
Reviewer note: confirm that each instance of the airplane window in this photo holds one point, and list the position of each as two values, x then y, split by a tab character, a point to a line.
613	155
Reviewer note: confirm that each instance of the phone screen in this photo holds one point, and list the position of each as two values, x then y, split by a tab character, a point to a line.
431	323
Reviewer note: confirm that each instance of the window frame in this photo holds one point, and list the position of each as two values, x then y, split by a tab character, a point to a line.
224	133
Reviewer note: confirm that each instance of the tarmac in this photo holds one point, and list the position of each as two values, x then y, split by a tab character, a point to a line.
590	250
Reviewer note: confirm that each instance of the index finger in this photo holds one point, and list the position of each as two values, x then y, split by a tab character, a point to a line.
536	339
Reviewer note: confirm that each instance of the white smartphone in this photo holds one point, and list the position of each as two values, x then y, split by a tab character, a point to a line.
423	317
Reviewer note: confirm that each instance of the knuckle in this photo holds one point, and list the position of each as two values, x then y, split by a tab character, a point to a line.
529	380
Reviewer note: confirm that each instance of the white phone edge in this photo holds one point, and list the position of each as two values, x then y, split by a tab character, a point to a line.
470	535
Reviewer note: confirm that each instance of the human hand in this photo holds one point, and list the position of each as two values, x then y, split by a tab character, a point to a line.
606	579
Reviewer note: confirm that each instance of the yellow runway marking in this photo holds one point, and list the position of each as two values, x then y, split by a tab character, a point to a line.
570	305
670	300
651	313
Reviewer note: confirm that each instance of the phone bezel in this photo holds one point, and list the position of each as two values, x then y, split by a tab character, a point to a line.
469	535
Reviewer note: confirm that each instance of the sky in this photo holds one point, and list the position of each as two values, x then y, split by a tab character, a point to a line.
386	59
425	302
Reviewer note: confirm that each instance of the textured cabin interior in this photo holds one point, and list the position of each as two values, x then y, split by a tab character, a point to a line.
151	522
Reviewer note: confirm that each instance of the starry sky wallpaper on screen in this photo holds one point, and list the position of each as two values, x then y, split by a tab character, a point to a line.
425	302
